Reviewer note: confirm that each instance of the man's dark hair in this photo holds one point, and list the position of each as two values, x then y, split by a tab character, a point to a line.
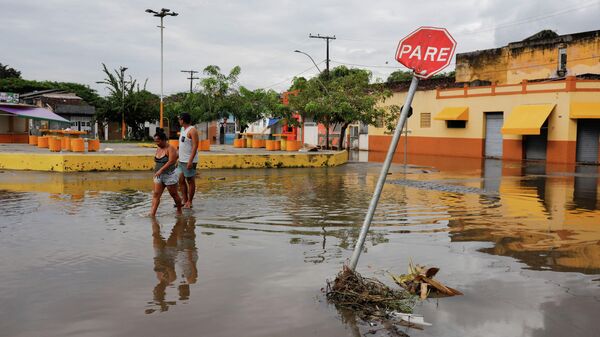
186	118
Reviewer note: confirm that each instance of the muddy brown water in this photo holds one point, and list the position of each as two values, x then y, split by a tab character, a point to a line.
79	258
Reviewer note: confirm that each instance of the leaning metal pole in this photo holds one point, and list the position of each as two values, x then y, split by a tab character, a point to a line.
383	175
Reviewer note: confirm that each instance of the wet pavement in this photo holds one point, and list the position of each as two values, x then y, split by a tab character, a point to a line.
80	258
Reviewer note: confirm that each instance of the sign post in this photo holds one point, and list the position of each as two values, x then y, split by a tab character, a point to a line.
426	51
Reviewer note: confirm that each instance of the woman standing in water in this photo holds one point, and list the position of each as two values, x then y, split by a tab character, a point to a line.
165	173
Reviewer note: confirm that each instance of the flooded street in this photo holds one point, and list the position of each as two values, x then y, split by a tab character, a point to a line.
79	256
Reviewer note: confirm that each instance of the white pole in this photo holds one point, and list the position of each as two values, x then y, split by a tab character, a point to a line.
383	175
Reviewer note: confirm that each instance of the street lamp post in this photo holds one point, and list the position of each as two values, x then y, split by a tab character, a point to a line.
316	66
324	88
163	12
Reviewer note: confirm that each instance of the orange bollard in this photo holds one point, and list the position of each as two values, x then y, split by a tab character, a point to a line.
33	140
293	145
258	143
65	144
204	145
93	145
240	143
54	144
269	145
77	145
42	142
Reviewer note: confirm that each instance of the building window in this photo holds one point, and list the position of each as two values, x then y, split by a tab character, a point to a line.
425	119
456	124
562	61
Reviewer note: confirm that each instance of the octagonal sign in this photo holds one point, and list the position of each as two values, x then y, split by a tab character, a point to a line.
426	51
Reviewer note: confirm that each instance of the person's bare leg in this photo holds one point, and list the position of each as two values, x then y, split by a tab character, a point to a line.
175	195
156	194
183	188
191	191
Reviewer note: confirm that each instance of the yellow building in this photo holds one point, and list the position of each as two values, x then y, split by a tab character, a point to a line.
528	111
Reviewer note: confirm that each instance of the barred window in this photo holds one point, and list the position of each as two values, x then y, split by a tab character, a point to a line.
425	119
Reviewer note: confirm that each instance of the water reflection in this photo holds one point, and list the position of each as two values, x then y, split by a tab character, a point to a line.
175	260
585	193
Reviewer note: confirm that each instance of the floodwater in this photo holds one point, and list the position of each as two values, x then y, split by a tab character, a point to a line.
79	258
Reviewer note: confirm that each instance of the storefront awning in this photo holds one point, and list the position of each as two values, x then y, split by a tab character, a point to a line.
527	119
273	121
584	110
460	113
33	113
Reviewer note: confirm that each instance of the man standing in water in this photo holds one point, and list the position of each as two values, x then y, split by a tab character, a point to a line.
188	159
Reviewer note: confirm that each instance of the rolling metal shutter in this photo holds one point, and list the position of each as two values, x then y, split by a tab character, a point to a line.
493	137
588	134
535	146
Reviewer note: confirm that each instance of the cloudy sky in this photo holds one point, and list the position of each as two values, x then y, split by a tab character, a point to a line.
68	40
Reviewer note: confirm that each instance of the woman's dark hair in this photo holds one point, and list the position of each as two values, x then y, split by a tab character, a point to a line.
160	134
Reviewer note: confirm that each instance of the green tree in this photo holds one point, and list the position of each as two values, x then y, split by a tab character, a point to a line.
8	72
346	96
21	86
138	105
399	76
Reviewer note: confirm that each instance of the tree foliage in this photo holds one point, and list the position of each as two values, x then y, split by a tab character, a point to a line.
21	86
8	72
220	96
125	97
345	96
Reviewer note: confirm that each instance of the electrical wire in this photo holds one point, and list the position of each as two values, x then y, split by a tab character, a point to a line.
291	77
500	26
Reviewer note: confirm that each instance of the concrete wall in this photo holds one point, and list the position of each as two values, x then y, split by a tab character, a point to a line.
531	59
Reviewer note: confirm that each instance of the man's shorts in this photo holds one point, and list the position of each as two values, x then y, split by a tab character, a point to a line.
187	173
168	179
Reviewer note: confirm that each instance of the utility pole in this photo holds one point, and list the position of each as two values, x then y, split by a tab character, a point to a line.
191	78
326	38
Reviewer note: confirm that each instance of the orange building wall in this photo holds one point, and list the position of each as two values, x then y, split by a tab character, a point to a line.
460	147
561	151
21	138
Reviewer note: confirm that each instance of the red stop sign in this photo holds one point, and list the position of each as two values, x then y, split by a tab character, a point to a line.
427	50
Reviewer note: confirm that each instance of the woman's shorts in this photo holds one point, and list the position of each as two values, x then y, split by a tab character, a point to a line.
168	179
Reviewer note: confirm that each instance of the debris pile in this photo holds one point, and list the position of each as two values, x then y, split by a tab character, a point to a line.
367	297
420	281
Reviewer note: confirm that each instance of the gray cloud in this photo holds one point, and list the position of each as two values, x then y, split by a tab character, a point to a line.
67	40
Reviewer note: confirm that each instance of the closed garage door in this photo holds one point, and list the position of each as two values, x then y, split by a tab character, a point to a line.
535	145
588	134
493	137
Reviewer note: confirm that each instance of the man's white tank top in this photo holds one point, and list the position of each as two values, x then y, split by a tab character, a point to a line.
185	146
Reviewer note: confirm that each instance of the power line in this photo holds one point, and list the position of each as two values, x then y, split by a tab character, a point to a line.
500	26
485	72
291	77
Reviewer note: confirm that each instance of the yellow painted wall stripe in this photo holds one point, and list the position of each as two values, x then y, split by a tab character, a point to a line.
113	162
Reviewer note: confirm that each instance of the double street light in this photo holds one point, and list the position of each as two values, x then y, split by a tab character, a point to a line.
161	14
